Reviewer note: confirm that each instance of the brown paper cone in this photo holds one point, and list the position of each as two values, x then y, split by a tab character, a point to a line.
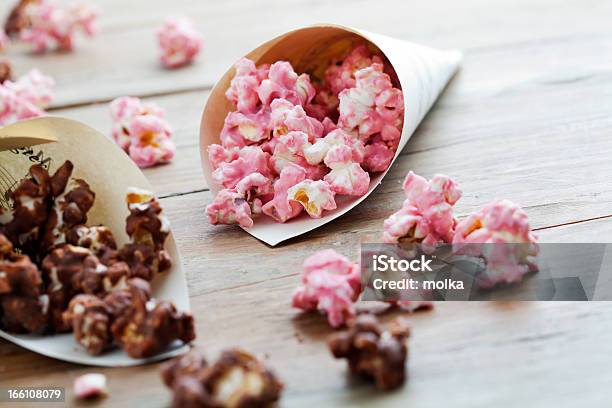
422	72
109	172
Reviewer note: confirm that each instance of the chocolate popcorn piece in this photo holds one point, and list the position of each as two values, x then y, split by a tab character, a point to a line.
69	210
146	223
187	365
24	314
31	208
99	239
90	319
374	353
18	275
235	380
150	326
17	19
144	262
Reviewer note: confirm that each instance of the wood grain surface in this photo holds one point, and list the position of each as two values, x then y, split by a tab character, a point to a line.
527	118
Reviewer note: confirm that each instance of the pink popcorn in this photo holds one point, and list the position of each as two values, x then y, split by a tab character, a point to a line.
280	207
377	157
316	152
339	77
123	110
52	26
284	83
500	233
218	154
34	87
13	108
324	104
290	149
245	84
90	386
151	143
242	129
315	196
255	185
286	117
229	207
250	159
373	106
426	215
330	284
179	42
346	176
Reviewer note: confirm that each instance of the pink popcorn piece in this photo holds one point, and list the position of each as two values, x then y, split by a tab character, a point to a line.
290	149
242	129
377	157
346	176
218	154
316	153
331	284
500	233
89	386
341	75
284	83
25	98
426	215
372	107
179	42
280	207
250	159
150	141
245	84
287	117
315	197
255	185
229	207
52	26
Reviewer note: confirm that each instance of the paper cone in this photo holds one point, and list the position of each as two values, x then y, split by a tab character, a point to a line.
422	72
109	172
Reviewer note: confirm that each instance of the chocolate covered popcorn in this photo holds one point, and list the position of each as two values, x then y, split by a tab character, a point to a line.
47	25
179	42
57	274
235	380
294	122
330	284
373	352
140	129
426	215
499	233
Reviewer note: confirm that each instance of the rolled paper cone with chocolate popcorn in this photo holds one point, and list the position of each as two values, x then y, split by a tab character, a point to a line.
110	174
420	72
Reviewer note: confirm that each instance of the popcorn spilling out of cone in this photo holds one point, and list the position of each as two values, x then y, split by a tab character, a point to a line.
271	120
328	108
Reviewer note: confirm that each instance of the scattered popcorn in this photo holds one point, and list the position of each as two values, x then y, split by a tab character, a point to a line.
502	228
51	26
141	131
373	106
25	98
427	213
315	196
331	284
280	207
295	123
346	176
90	386
179	42
151	143
372	352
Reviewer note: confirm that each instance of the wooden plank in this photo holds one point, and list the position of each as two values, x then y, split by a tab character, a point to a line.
479	353
123	58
